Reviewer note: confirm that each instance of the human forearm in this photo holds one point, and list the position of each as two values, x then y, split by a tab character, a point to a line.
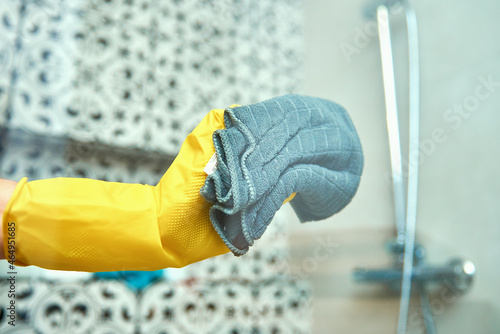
6	190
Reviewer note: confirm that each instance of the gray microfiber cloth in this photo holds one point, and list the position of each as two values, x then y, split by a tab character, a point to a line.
269	150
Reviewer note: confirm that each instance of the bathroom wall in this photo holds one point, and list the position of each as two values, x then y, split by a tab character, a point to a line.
458	212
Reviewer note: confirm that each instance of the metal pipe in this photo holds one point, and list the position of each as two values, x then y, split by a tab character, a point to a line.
411	213
405	214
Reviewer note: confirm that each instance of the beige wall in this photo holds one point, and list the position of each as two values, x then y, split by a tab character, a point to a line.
459	199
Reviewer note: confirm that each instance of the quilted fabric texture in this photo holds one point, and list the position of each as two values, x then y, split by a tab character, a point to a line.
269	150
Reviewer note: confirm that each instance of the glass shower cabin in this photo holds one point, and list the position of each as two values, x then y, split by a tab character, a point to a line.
410	269
109	90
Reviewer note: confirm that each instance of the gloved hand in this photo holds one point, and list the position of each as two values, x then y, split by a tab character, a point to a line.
90	225
270	151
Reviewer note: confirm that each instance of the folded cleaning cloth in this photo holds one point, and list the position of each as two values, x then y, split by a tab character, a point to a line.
270	150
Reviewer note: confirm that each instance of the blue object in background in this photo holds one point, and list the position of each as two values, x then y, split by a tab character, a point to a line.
136	279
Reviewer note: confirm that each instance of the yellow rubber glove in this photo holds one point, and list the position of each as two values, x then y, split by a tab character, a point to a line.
90	225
